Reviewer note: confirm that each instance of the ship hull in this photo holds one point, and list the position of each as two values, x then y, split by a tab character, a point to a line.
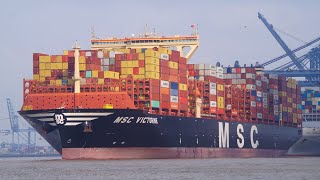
130	134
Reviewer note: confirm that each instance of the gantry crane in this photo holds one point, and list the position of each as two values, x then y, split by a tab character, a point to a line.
298	66
17	132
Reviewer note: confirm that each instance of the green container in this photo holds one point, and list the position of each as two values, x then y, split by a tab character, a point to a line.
155	104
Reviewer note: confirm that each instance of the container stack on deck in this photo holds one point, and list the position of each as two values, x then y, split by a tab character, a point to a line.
311	102
160	81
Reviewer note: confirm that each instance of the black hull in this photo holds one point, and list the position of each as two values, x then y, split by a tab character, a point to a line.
100	129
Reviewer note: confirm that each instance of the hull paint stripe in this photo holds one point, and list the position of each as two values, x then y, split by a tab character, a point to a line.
87	114
81	118
45	119
40	115
72	123
53	124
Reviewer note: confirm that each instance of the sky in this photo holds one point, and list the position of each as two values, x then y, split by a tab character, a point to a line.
229	30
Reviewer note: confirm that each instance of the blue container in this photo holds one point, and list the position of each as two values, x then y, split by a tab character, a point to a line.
88	74
174	92
259	99
174	85
276	118
64	81
253	93
275	102
197	77
229	70
143	50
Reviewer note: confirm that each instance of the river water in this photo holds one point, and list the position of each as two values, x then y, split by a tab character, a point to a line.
220	168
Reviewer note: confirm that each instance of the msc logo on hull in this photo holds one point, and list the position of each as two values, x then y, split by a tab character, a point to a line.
224	136
59	119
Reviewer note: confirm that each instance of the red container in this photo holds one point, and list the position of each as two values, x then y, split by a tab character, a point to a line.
183	107
183	93
164	63
165	77
174	105
182	60
164	69
173	71
173	78
141	63
165	98
183	100
35	70
165	104
182	73
135	70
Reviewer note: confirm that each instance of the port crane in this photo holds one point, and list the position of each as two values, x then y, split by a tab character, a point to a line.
19	133
298	67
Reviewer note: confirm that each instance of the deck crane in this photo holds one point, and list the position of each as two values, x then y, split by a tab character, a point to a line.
298	66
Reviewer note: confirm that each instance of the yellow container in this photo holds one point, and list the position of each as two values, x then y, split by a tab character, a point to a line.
135	63
100	81
42	66
163	50
65	73
129	64
53	65
220	99
42	73
65	52
141	56
52	82
48	65
173	65
152	53
182	87
82	59
289	109
140	76
111	74
138	50
220	87
58	58
152	60
94	74
82	67
141	71
129	70
221	105
59	65
123	71
153	75
124	64
44	59
42	79
65	65
59	82
154	68
36	77
108	106
47	73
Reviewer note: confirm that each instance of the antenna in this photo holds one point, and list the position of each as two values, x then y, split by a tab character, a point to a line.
93	33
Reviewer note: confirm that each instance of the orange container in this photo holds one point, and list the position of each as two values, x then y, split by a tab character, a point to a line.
164	90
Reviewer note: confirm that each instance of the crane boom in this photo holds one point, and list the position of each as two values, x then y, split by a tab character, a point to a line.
292	56
295	50
14	121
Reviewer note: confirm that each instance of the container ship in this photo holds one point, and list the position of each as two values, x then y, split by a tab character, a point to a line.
139	97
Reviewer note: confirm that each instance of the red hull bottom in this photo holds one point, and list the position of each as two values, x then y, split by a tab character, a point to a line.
166	153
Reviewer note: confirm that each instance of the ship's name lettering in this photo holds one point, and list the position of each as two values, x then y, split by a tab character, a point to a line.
224	136
137	120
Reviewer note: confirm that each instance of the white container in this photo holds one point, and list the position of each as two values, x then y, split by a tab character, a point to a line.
164	84
213	73
100	54
88	53
264	95
259	115
213	85
243	70
112	54
219	70
275	97
201	72
164	56
265	100
253	104
233	70
201	78
201	66
213	103
258	83
174	99
219	75
213	91
228	107
259	93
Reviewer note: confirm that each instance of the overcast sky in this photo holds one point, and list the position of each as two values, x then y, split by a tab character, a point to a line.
229	30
